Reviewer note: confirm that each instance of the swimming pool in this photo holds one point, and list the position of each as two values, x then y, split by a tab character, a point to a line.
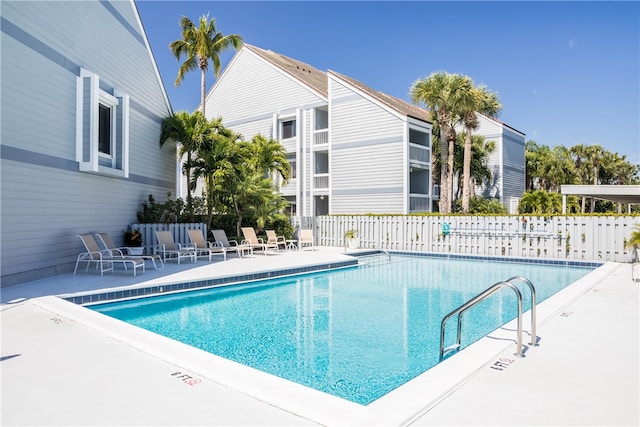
356	333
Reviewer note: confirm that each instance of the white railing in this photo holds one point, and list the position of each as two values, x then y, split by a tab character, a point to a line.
179	231
321	137
419	203
321	181
419	153
588	238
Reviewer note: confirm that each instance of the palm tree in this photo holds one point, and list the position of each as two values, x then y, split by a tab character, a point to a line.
269	156
479	174
594	153
199	44
441	93
477	99
579	152
634	242
189	131
217	163
559	169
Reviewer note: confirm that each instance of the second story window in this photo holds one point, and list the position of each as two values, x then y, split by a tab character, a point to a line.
104	130
289	129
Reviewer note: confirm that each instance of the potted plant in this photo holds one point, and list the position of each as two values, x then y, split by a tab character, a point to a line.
133	241
352	239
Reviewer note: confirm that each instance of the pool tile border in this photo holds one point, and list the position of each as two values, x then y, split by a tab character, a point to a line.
546	261
110	296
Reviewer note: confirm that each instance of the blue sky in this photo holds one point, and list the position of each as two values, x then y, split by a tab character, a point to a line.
566	72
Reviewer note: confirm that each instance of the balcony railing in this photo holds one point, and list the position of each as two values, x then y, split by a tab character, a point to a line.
419	153
321	181
321	137
418	202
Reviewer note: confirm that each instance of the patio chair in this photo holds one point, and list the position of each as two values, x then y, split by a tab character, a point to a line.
166	247
103	259
272	237
256	242
230	245
305	238
123	252
204	248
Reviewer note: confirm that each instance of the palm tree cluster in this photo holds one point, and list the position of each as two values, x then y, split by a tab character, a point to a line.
454	100
548	168
237	174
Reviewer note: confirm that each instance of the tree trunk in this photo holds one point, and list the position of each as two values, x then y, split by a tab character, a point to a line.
595	182
452	141
203	88
187	170
466	172
445	203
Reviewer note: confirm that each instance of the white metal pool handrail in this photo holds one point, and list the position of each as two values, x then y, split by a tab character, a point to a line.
532	288
473	301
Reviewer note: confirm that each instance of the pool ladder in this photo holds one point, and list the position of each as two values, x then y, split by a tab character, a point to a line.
483	295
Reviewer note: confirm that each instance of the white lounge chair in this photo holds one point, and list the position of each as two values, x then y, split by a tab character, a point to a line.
230	245
272	237
103	259
166	247
255	242
204	248
123	252
305	238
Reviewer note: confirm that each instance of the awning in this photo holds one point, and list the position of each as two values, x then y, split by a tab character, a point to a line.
613	193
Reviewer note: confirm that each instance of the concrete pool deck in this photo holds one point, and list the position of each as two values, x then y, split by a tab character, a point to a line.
59	368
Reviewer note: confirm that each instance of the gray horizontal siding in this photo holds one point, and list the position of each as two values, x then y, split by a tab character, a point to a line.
250	86
45	200
368	141
120	56
364	167
367	203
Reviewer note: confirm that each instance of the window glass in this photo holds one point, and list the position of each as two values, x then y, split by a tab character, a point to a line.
104	130
289	129
293	163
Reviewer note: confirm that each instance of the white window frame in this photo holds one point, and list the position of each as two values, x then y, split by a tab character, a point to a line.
110	102
295	127
89	97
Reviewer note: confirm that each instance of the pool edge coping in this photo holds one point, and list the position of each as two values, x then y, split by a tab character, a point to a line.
289	395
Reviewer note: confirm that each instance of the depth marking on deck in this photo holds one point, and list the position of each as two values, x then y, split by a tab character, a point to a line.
186	378
56	320
502	364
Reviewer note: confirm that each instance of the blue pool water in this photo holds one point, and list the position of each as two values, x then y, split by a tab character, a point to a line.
356	333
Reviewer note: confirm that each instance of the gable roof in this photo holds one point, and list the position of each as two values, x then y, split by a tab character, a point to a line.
500	122
151	57
318	81
397	104
305	73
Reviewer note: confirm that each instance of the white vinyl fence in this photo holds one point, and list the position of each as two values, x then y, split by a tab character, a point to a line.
588	238
179	231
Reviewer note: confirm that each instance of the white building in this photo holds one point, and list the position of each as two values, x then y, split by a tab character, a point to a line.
507	162
352	149
82	106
